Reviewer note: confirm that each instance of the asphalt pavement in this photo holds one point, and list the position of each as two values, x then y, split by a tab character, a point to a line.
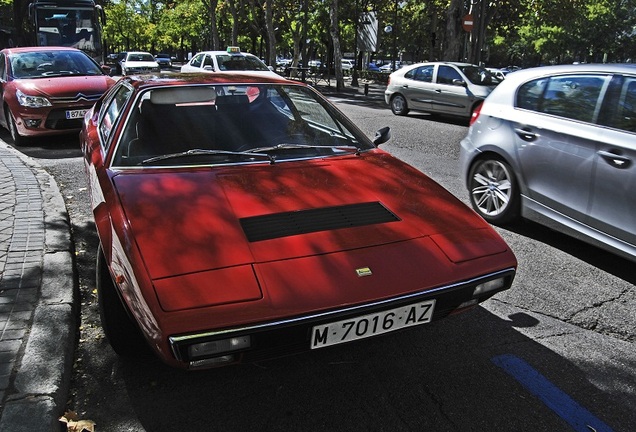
38	303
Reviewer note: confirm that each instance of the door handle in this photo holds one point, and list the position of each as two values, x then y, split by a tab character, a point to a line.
526	134
615	160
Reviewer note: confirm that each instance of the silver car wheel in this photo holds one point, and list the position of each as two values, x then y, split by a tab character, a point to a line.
398	105
493	191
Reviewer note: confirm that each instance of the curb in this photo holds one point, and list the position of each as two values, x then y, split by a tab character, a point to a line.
43	374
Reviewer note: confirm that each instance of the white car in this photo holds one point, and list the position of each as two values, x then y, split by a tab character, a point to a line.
347	64
227	61
139	62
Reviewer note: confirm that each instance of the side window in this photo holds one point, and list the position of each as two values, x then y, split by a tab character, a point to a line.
209	61
621	105
446	75
573	97
110	112
3	75
197	60
529	94
423	73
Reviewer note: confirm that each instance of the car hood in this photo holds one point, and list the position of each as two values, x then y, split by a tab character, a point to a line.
67	86
317	217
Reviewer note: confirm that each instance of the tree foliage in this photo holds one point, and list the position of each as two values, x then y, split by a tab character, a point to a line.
523	32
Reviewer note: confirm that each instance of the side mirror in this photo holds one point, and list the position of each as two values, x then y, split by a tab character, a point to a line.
382	136
208	68
107	69
460	83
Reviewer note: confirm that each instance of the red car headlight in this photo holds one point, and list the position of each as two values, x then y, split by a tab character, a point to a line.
32	101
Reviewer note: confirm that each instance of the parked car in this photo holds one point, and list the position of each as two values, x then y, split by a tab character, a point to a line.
139	62
164	60
388	67
373	67
347	64
438	87
47	90
231	60
242	217
556	145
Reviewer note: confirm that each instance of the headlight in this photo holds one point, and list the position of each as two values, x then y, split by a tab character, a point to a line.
32	101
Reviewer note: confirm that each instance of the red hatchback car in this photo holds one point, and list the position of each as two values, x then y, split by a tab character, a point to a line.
47	90
243	217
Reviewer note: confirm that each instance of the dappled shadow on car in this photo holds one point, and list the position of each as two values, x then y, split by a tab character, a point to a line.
595	256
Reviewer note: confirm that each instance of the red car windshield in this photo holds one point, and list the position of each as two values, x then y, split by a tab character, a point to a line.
227	124
47	64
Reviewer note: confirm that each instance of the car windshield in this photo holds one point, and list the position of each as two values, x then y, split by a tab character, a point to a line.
140	57
479	75
229	124
239	62
47	64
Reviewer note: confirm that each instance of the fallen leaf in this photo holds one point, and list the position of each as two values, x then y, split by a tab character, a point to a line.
75	425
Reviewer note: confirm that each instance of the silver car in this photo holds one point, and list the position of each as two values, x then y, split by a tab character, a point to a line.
439	87
557	145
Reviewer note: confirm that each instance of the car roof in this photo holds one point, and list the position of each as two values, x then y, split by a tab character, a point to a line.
138	52
148	81
224	53
18	50
575	68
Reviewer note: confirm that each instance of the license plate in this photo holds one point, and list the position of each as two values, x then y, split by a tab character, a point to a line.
372	324
73	114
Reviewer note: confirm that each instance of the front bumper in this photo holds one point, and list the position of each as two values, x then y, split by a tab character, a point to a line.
293	335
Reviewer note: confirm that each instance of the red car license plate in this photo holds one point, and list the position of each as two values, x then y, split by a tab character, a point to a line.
73	114
372	324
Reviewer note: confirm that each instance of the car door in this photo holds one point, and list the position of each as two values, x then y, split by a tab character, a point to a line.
194	65
417	87
613	204
557	141
449	96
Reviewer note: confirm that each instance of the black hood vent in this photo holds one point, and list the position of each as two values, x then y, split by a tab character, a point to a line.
286	224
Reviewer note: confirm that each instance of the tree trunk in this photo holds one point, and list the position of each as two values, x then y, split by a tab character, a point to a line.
335	38
453	46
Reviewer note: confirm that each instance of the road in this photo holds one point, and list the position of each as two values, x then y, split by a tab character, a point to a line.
556	352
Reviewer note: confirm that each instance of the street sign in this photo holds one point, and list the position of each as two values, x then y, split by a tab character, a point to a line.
467	23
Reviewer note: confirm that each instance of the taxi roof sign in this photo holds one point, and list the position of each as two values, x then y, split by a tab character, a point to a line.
233	49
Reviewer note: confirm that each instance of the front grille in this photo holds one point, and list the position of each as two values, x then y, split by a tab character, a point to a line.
57	120
286	224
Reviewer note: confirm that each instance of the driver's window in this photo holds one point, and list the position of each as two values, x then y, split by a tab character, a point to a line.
446	75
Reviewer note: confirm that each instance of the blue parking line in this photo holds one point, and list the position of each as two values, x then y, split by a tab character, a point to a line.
563	405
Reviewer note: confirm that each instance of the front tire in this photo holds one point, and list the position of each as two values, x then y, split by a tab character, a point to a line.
121	331
18	140
399	105
494	191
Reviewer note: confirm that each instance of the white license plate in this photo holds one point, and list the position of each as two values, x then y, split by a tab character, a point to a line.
372	324
73	114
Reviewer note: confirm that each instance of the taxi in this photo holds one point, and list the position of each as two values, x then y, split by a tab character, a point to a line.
229	60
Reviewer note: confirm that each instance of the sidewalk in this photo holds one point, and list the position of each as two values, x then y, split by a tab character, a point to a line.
37	313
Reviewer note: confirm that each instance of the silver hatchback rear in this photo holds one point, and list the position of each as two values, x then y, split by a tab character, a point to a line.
557	145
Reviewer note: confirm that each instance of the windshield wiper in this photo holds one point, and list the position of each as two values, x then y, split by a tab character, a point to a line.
346	148
204	152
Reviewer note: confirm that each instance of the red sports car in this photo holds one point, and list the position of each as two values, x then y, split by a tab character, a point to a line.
245	217
47	90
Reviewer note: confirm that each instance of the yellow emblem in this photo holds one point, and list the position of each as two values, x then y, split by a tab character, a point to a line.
363	271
